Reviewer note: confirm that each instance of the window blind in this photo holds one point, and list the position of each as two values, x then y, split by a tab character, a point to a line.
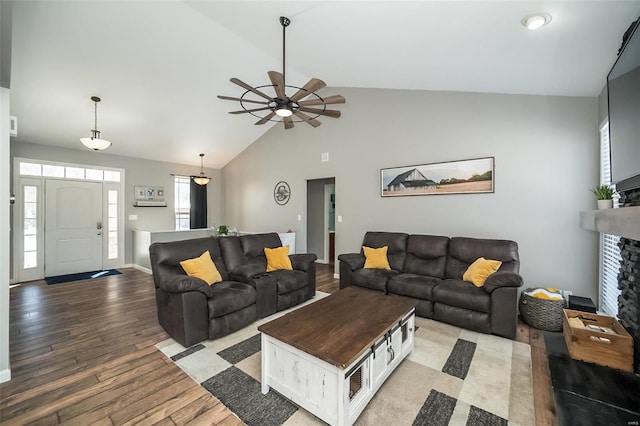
609	250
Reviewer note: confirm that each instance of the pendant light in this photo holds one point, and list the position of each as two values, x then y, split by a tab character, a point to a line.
201	179
94	142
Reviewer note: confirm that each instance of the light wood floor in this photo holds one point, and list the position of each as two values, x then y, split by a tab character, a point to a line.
83	353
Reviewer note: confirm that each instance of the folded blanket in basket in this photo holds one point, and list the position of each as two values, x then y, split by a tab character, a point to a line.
548	293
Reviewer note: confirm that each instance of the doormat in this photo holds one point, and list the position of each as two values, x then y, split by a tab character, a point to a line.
81	276
452	377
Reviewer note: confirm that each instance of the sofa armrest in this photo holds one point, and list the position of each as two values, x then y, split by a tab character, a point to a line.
502	279
185	283
243	273
301	262
353	260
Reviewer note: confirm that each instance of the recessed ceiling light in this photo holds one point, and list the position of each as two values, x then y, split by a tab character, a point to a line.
535	21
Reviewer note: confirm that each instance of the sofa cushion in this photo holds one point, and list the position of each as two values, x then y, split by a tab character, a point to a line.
202	267
375	279
288	281
412	285
464	251
478	272
230	296
463	295
396	243
376	258
426	255
278	258
166	257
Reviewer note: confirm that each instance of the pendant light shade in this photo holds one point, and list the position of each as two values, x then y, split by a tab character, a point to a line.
94	142
201	179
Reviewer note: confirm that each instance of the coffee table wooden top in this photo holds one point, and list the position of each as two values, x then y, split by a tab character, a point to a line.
340	327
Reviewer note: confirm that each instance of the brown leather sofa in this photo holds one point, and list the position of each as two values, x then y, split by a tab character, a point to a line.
191	311
429	270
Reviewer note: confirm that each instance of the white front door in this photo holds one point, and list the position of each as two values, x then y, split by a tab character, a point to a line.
73	235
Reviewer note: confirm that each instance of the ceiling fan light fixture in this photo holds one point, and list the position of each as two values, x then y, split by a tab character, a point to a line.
284	112
535	21
202	179
95	143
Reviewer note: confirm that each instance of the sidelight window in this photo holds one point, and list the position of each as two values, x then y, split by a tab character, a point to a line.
30	228
112	223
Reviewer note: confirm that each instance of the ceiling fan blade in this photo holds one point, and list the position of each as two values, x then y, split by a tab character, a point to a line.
244	111
249	88
311	86
229	98
305	117
328	112
277	79
265	118
336	99
288	123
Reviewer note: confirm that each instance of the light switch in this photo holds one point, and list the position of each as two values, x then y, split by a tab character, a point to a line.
133	217
325	157
300	217
339	218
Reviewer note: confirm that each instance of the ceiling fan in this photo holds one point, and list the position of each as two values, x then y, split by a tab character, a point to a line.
281	105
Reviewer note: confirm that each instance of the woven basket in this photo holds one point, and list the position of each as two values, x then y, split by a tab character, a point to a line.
541	313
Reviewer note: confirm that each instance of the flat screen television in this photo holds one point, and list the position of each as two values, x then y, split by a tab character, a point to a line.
623	87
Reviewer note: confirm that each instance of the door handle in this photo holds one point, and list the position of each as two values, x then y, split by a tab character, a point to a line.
99	225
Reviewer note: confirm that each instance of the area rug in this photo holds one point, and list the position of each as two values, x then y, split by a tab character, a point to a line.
452	377
58	279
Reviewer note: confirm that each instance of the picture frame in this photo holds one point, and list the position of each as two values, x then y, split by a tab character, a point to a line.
472	176
155	193
140	192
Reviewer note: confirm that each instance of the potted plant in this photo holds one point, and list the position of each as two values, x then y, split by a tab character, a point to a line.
604	195
223	230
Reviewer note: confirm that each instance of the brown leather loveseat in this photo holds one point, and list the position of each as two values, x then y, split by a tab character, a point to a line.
191	311
429	270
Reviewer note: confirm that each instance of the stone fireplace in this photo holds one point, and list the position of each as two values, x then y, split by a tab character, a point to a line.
629	279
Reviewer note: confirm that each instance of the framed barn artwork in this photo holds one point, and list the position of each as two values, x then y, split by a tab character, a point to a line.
452	177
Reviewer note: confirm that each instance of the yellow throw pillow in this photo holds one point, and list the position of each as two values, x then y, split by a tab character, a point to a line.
202	267
278	258
376	258
479	270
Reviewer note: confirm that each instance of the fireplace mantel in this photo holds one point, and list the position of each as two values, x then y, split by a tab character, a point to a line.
624	222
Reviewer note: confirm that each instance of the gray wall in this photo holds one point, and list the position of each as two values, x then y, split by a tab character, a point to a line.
546	159
138	172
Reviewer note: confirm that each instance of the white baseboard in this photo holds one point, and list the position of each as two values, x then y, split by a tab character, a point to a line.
141	268
336	276
5	375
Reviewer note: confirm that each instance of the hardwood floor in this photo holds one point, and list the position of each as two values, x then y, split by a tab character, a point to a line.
83	353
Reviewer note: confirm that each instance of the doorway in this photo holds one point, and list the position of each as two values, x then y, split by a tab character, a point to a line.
321	205
73	235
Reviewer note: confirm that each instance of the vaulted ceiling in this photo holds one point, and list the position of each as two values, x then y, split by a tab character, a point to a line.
158	65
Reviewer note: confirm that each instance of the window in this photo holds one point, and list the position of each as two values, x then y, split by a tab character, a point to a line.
182	202
112	225
30	229
68	172
609	250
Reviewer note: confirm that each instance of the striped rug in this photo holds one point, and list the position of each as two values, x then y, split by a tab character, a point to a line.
453	377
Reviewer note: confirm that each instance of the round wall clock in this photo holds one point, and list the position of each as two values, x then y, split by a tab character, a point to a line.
282	193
